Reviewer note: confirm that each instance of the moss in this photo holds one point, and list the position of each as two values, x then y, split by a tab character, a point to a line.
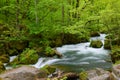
107	44
83	75
115	54
28	56
14	62
4	58
49	51
74	38
48	69
93	34
1	79
96	44
2	68
12	52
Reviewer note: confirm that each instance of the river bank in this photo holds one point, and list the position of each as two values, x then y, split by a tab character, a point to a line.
32	73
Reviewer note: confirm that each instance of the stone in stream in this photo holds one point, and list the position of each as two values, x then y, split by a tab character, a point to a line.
22	73
100	74
96	44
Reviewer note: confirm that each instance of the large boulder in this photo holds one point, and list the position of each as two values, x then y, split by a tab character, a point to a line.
100	74
116	71
96	44
22	73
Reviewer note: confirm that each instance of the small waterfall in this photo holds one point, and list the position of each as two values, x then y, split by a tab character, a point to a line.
79	56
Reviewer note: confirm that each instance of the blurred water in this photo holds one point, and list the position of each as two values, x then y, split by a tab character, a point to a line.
77	57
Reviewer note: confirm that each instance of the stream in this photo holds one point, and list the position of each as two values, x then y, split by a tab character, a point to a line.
79	57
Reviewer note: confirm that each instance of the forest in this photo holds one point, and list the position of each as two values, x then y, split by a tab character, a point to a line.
30	29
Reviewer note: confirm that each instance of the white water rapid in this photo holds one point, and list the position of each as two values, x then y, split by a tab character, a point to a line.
79	56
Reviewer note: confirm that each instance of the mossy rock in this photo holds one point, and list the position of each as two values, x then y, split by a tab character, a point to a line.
49	52
74	38
93	34
2	51
2	67
115	54
19	45
12	52
115	40
56	42
83	75
107	44
4	58
28	56
48	69
96	44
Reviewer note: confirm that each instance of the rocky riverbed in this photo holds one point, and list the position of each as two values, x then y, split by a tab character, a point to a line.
32	73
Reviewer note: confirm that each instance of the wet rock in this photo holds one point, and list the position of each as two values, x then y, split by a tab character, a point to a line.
100	74
22	73
116	71
96	44
58	54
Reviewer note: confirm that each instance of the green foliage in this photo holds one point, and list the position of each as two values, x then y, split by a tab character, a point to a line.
83	75
96	44
107	44
48	69
53	23
49	51
2	67
28	56
115	54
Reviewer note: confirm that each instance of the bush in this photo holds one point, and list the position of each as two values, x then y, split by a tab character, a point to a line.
28	56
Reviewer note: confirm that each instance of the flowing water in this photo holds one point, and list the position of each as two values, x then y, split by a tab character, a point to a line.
78	57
